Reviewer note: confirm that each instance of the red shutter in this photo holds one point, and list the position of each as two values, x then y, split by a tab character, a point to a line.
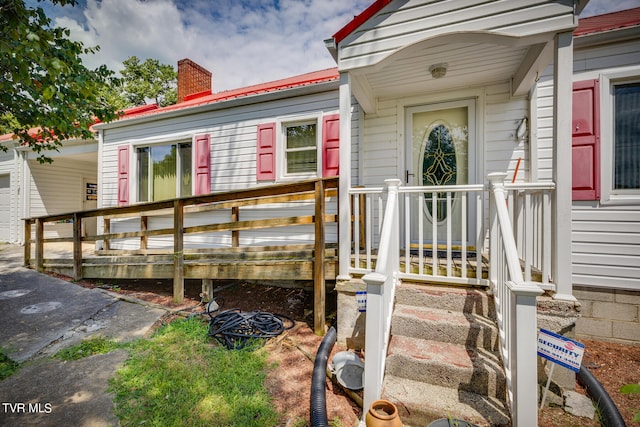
330	145
123	175
586	140
202	167
266	152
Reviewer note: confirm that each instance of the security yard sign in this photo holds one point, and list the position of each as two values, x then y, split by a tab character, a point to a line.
561	350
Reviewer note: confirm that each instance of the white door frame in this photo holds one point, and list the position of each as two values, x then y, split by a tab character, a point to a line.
472	147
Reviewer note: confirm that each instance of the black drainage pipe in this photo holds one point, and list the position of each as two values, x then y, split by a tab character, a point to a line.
318	381
610	416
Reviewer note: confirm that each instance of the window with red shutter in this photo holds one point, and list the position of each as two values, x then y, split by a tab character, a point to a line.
202	165
123	175
586	140
266	152
330	145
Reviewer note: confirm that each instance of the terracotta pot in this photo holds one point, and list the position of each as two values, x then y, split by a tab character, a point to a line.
383	413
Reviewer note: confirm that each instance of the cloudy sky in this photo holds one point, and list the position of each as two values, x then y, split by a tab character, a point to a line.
241	42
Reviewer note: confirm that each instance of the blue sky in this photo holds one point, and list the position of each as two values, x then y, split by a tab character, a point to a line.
241	42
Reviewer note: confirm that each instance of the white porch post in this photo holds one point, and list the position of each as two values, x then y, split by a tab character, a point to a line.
344	209
561	210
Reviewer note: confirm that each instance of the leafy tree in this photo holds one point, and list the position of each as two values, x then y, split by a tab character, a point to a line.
43	82
148	80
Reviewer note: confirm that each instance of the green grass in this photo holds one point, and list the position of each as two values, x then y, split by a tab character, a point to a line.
180	377
88	347
7	366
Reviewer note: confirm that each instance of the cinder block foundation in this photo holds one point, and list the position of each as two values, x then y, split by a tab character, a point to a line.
351	323
609	315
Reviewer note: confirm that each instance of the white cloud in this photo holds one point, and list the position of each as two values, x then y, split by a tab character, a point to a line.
599	7
241	42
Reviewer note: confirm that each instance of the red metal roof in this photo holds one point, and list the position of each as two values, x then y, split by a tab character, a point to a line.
360	19
330	74
608	22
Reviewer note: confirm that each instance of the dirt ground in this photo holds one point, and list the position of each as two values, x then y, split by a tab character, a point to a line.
612	364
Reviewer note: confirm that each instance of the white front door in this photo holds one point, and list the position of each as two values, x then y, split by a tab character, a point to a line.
441	151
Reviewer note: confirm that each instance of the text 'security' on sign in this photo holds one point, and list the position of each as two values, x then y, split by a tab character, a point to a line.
561	350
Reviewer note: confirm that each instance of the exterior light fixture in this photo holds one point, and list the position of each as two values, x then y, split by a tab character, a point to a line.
438	70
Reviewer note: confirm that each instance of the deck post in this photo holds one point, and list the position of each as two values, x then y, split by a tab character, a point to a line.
235	234
77	246
178	251
144	226
318	264
39	245
106	230
27	242
207	290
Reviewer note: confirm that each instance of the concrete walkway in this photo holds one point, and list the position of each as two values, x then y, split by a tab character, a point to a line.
39	315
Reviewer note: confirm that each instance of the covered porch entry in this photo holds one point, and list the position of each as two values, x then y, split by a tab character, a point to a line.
448	189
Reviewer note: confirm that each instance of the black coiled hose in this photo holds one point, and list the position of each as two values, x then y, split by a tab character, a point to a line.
608	410
318	381
236	329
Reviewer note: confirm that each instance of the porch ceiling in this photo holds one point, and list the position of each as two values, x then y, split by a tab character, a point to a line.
406	73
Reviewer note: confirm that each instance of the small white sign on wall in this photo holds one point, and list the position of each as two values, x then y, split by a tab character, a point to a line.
561	350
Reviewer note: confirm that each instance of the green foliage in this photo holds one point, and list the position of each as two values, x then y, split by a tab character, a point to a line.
632	389
88	347
47	95
179	377
148	80
7	366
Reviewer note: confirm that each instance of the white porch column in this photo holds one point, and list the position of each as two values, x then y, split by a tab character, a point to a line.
561	211
344	208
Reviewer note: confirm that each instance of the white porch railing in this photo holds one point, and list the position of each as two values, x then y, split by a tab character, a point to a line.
381	286
384	216
515	301
450	260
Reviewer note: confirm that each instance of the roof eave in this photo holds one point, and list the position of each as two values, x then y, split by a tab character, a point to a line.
231	103
604	37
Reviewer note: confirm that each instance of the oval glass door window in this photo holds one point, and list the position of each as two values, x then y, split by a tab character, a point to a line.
439	167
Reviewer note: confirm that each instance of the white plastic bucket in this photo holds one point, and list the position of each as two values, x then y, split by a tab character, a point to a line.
348	369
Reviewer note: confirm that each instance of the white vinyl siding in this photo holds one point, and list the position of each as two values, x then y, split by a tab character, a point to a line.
10	209
605	237
5	207
496	145
415	20
233	166
58	188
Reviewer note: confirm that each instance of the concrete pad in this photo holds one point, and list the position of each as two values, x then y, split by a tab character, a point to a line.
36	309
54	393
121	321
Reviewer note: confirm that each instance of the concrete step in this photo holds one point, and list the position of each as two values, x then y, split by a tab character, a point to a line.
453	298
445	325
420	403
447	365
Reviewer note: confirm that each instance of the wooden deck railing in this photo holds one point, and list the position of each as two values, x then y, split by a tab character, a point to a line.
314	192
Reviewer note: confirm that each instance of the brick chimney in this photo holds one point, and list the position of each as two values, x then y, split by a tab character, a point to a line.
192	79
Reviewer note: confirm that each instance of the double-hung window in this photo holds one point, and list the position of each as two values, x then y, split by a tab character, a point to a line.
626	138
164	171
301	148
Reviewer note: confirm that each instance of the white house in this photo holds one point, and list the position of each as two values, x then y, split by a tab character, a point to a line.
433	107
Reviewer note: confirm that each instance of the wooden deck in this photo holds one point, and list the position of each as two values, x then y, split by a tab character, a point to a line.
315	262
